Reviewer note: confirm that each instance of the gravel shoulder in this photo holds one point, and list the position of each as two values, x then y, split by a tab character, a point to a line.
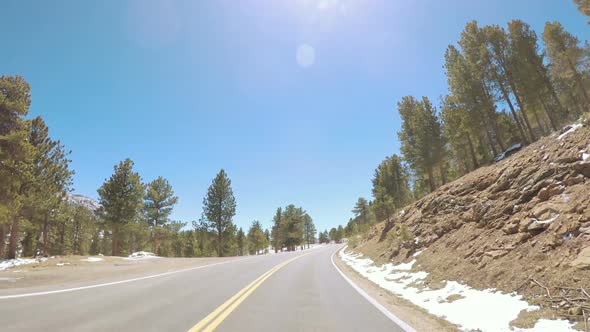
414	316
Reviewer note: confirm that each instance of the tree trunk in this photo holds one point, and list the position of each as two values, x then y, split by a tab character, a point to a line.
13	240
540	124
578	79
431	182
548	112
522	110
491	115
115	241
472	152
575	102
491	142
443	175
513	112
551	89
27	244
2	236
156	244
46	236
219	245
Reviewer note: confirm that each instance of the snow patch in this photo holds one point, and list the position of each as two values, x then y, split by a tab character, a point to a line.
9	279
8	263
484	310
141	255
585	156
571	129
92	259
547	221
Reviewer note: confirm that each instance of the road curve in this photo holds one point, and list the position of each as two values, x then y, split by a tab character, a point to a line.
300	291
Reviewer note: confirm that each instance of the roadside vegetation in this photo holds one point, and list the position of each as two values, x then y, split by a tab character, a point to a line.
506	86
39	218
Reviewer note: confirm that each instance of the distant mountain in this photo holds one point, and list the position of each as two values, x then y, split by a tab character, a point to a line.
84	201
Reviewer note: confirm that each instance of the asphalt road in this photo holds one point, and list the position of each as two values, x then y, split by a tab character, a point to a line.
299	291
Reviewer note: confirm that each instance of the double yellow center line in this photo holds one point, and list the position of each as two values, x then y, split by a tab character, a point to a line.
215	318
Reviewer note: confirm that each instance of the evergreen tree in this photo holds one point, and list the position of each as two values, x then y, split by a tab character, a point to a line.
361	210
309	230
565	56
121	199
292	226
277	231
16	158
583	6
159	202
422	140
256	238
47	191
241	240
219	208
390	187
324	238
530	73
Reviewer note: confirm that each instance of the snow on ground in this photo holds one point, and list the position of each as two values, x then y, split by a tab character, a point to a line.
141	255
548	221
8	263
585	156
572	128
484	310
92	259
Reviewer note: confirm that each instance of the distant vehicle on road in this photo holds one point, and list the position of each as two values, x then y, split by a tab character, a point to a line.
511	150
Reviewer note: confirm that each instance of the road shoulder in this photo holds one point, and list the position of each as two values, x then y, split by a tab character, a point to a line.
412	315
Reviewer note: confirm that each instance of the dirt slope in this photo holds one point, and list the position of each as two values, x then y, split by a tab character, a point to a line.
518	225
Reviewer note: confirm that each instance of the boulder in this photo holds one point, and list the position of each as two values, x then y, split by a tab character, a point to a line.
536	227
585	229
583	167
573	180
524	224
511	228
583	259
550	191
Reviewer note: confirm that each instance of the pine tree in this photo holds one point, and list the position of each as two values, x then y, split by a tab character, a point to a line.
241	240
324	237
121	197
390	187
16	158
256	238
460	136
219	208
361	210
530	73
497	54
159	202
47	191
309	230
422	140
292	226
277	232
565	55
583	7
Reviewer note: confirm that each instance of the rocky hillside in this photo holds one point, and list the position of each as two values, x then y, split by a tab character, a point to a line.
84	201
522	225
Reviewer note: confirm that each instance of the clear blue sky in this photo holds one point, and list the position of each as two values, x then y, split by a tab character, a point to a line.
186	88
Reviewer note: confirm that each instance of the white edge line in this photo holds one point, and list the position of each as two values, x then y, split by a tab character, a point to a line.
57	291
371	300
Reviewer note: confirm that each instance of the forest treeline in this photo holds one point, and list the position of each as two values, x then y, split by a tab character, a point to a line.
38	218
506	85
